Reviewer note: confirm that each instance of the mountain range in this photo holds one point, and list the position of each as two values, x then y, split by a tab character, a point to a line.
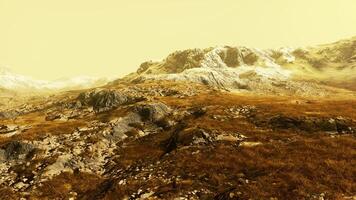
11	82
318	70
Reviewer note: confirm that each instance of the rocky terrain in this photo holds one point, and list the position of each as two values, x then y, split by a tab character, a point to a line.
220	123
175	140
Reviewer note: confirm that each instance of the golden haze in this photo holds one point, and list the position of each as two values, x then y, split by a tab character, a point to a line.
54	39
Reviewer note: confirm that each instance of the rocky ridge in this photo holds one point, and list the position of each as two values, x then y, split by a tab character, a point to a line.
302	71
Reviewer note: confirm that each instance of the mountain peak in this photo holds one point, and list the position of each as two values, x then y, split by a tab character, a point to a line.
253	69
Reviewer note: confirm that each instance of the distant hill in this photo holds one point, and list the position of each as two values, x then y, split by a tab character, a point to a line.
16	83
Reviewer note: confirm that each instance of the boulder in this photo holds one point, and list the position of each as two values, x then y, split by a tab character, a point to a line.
102	100
52	117
17	150
152	112
122	126
197	111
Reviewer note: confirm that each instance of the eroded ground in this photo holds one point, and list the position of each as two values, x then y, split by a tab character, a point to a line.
177	141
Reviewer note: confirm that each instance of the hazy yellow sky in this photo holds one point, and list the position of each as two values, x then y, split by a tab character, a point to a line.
51	39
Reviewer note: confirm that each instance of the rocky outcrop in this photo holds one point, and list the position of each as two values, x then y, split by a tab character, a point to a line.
17	150
103	100
176	62
337	125
124	127
152	112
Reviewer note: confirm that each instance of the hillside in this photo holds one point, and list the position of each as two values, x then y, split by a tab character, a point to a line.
224	123
164	140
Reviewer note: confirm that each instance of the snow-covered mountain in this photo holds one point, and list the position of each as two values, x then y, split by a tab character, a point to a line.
15	82
310	70
284	70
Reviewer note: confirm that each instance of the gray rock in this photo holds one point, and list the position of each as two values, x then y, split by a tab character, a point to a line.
311	124
17	150
102	100
8	114
153	112
2	155
122	126
52	117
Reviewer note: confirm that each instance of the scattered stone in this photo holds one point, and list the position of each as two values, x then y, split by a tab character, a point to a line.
112	145
241	111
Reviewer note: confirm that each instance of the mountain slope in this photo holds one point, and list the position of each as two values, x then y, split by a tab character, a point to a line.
289	71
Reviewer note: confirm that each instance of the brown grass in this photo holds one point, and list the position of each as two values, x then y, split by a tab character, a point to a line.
288	165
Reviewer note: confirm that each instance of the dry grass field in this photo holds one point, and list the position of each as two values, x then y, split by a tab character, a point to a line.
231	146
